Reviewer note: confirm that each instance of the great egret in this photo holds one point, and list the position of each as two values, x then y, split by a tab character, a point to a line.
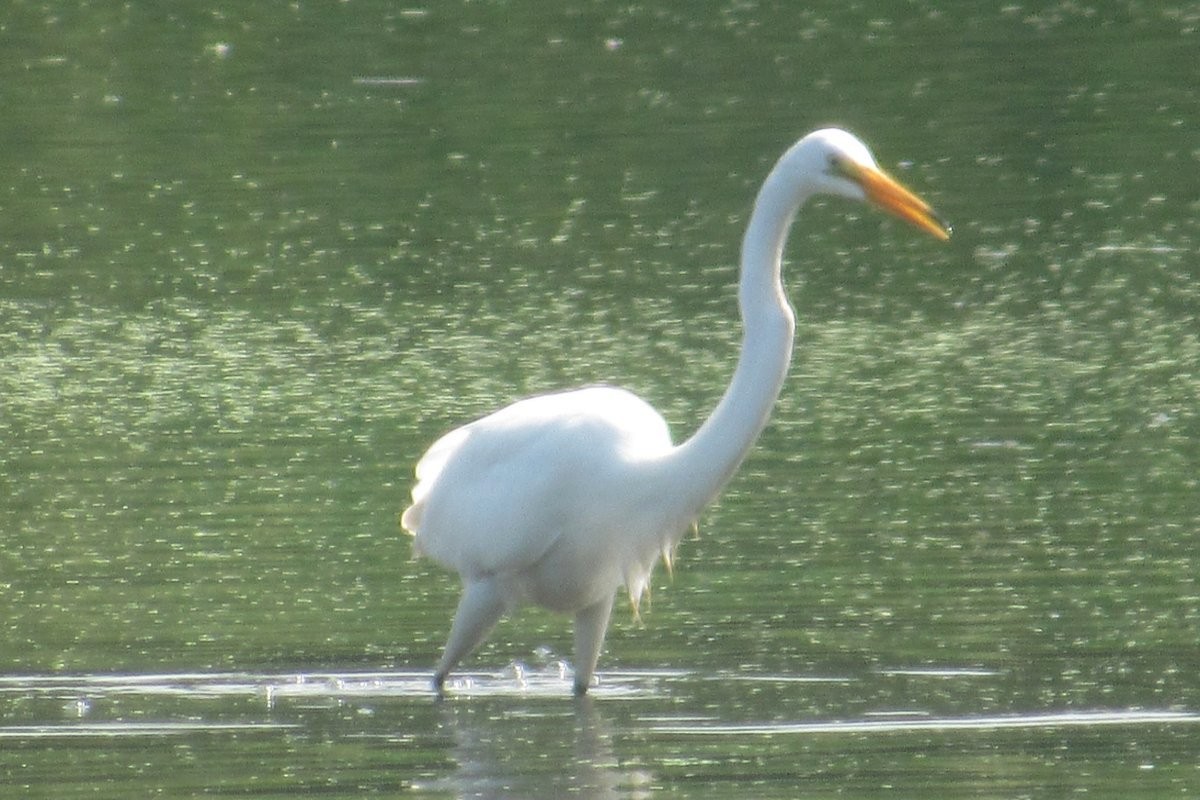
559	499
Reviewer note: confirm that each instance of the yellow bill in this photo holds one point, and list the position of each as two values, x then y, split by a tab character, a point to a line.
887	193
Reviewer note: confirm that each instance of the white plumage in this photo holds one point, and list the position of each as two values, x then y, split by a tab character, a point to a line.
546	531
560	499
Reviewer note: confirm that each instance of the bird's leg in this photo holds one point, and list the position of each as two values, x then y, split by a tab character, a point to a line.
591	624
479	610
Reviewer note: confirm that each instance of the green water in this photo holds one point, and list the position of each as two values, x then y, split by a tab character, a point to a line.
255	257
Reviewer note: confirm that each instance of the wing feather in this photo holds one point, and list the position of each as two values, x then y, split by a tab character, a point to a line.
498	493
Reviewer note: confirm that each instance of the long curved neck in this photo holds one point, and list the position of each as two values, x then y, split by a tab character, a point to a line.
704	463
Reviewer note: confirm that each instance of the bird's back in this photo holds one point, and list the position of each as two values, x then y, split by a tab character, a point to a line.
497	494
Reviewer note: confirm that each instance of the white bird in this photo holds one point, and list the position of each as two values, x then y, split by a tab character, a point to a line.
559	499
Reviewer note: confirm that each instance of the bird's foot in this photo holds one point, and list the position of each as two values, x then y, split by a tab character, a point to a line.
581	687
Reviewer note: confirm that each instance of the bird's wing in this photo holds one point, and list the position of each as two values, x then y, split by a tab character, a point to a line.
498	493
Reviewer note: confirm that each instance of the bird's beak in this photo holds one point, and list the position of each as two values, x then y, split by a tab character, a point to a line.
886	192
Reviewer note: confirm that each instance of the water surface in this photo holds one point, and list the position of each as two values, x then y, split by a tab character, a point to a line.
252	262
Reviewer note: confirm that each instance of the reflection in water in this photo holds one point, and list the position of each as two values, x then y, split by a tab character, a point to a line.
515	733
507	751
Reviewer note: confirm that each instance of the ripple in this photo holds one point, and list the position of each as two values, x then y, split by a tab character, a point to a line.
516	680
920	722
127	729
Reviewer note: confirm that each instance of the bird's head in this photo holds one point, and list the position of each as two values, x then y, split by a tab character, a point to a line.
840	164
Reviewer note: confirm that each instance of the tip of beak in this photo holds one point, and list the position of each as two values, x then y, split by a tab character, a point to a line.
944	229
926	219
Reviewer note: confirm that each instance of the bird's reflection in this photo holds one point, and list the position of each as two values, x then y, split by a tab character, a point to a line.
534	749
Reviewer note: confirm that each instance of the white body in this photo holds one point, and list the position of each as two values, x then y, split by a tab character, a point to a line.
562	505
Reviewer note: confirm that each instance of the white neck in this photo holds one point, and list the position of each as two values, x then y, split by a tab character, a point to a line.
701	466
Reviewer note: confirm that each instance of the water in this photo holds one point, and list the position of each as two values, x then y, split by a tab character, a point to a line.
515	734
253	261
